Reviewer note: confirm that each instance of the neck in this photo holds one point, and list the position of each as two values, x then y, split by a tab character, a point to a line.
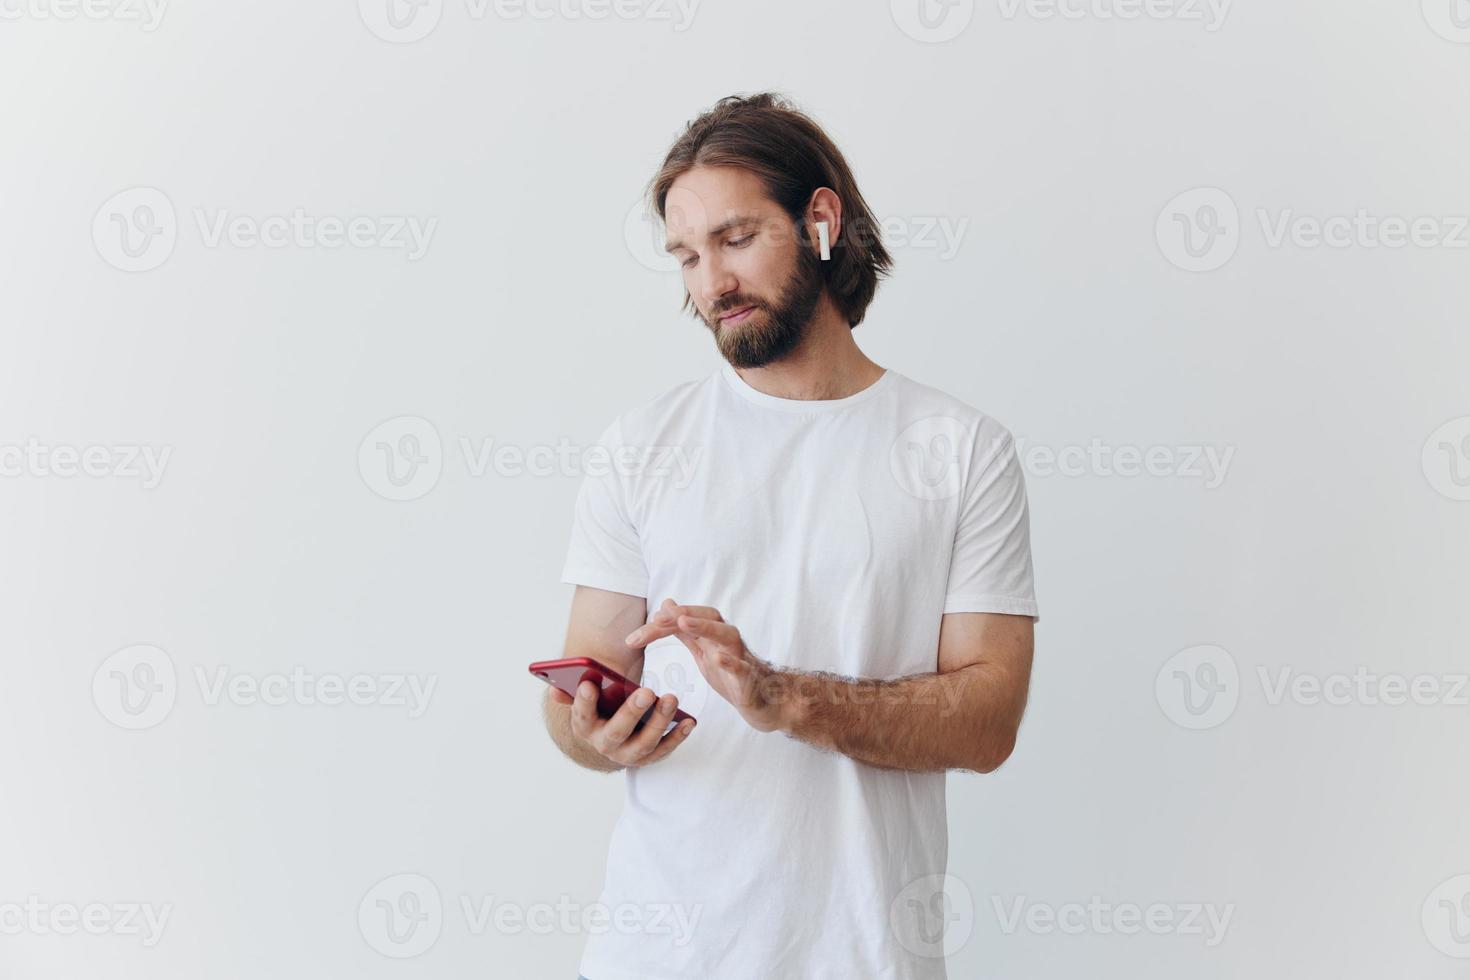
827	364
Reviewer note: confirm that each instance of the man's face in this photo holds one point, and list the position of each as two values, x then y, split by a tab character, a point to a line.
753	283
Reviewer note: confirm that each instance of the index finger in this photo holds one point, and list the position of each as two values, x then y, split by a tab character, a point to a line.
664	622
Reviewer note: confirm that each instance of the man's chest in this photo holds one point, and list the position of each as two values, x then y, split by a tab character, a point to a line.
814	521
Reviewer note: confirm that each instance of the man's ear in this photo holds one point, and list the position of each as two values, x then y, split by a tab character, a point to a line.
825	207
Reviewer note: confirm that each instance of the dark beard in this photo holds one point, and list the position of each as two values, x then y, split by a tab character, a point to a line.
769	334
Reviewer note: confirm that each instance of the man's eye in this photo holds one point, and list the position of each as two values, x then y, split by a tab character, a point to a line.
742	242
688	262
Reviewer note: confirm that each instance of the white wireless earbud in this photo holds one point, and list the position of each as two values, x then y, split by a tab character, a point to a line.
824	239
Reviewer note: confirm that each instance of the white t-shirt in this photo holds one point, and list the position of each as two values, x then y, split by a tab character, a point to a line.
834	534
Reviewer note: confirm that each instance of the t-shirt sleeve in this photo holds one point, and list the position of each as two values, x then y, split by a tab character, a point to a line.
990	569
605	552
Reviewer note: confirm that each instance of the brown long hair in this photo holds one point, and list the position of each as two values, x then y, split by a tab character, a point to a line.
792	156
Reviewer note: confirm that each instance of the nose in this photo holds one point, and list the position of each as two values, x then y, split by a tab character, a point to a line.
716	282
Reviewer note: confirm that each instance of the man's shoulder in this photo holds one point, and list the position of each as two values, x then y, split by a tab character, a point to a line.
653	415
922	402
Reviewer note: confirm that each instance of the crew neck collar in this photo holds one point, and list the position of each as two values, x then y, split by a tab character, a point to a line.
800	405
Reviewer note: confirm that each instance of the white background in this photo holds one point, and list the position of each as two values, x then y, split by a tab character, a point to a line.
1334	542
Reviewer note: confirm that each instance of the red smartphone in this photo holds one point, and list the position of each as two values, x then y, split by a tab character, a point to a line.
612	687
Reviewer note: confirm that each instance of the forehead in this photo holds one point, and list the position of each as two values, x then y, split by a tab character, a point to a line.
703	198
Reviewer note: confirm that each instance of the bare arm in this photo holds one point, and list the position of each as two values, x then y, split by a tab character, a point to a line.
963	716
598	622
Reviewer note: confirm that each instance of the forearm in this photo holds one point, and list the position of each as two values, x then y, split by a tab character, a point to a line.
559	726
964	719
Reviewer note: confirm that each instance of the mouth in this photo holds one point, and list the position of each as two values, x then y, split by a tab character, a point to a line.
738	316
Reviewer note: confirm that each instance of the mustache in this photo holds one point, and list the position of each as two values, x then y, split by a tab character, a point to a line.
720	312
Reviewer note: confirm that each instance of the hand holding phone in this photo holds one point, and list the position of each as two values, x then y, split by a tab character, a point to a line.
626	724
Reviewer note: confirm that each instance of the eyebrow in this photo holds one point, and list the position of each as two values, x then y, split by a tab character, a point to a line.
718	230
